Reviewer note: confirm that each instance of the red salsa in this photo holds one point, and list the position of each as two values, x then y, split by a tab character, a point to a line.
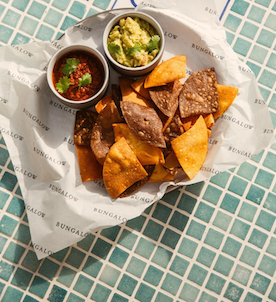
78	75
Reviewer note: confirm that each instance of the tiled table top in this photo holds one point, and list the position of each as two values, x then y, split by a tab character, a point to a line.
212	241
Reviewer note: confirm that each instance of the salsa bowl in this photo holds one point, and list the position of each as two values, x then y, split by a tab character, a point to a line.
134	43
78	76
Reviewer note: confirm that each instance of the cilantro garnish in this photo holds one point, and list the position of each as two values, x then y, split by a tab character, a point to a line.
134	50
70	66
153	43
112	47
63	84
85	80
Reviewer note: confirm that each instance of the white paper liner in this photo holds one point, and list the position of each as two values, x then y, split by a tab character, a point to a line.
38	129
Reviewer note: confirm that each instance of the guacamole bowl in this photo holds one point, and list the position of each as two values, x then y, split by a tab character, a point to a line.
78	76
133	42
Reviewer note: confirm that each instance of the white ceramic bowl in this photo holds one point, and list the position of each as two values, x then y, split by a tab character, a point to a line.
134	71
84	103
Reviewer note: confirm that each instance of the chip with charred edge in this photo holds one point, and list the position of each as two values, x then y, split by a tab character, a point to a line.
199	94
84	123
160	174
129	94
138	184
146	153
103	103
138	86
191	148
168	71
102	133
89	166
144	122
121	168
166	97
227	95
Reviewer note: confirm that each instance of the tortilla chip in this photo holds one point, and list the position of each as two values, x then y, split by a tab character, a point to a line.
117	96
191	148
168	71
89	166
144	122
84	122
160	174
138	184
103	103
226	96
199	94
121	168
138	86
146	153
102	133
173	129
130	95
187	124
166	97
209	120
171	161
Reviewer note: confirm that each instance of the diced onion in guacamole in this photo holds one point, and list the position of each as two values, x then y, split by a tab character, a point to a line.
133	42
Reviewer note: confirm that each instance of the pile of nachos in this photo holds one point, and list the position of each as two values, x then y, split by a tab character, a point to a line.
150	129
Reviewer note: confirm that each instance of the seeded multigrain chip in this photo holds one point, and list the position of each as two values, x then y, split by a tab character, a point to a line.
199	94
84	122
166	97
144	122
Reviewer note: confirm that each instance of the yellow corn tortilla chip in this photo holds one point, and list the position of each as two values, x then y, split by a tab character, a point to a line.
146	153
160	174
103	103
168	71
209	120
89	166
226	96
188	122
121	168
171	161
191	148
138	86
130	95
140	183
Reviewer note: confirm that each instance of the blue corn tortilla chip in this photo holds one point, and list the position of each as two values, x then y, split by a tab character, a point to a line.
166	97
144	122
199	94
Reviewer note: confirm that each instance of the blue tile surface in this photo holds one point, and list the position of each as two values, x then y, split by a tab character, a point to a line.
211	241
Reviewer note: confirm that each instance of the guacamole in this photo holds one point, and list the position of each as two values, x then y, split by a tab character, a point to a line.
133	42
